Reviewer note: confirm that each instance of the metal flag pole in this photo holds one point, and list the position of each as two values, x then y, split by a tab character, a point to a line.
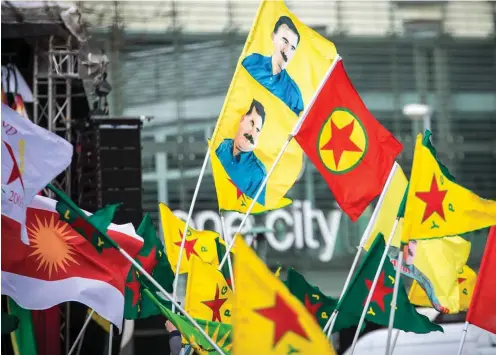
227	239
279	156
186	226
111	335
462	341
395	340
332	319
374	284
81	332
395	297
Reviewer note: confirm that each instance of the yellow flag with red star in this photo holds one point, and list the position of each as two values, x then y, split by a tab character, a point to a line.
199	243
436	205
267	318
208	296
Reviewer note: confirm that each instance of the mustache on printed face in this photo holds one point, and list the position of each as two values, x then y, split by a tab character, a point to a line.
249	137
284	57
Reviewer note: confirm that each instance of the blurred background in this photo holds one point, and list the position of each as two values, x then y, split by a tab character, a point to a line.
168	65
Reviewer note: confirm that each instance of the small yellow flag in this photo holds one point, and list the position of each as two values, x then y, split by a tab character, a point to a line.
437	206
208	295
267	318
199	243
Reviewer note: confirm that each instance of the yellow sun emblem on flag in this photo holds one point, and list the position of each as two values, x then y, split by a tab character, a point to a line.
50	241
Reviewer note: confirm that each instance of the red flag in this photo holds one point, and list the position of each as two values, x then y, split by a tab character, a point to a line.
482	311
351	149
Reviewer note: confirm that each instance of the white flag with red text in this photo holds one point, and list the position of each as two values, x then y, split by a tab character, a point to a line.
31	158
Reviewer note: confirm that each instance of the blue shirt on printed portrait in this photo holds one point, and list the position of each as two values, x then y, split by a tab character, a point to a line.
281	84
245	170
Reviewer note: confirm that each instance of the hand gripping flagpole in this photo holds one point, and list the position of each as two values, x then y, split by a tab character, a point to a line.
124	253
227	239
279	156
332	319
399	264
374	284
186	226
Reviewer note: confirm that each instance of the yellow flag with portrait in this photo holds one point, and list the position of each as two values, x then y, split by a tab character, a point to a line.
279	70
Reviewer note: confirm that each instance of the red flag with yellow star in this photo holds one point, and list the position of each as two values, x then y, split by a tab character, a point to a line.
208	296
436	205
199	243
267	318
350	148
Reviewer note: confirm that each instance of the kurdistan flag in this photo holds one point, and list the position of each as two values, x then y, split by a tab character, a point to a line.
208	296
267	318
59	265
199	243
406	317
436	205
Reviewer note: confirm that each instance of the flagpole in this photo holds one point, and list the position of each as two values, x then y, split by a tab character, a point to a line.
279	156
462	341
227	239
399	263
186	226
374	284
395	340
111	335
81	332
332	320
60	194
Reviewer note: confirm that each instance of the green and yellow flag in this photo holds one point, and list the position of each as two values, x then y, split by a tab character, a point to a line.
199	243
279	70
208	296
267	318
436	205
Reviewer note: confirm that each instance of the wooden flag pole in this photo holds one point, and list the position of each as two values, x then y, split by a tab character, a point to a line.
399	263
81	332
332	319
374	284
462	341
279	156
60	194
186	226
227	239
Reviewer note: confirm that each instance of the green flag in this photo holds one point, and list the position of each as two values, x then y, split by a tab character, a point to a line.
406	317
153	259
221	251
9	323
220	333
318	305
23	338
101	219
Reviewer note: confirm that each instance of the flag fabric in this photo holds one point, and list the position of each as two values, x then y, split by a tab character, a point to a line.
101	219
23	338
317	304
153	259
406	317
350	148
208	296
31	158
60	265
221	252
437	206
465	284
9	323
482	311
267	318
280	67
199	243
220	333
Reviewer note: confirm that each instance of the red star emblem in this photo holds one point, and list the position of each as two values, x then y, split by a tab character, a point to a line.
189	247
381	290
312	308
16	172
340	141
461	279
148	262
134	286
239	193
215	305
285	319
86	228
433	200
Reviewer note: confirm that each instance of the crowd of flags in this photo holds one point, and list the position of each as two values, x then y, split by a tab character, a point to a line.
53	252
